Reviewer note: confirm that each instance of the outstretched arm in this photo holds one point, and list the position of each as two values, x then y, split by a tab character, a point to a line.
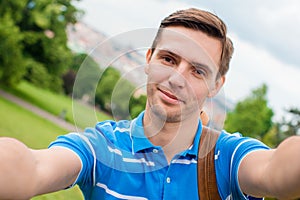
25	172
273	173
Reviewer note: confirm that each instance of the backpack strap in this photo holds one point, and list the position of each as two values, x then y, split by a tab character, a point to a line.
207	182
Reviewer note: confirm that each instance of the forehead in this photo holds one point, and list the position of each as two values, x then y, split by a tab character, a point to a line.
192	45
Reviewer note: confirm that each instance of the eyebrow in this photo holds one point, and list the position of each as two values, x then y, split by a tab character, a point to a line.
160	51
194	64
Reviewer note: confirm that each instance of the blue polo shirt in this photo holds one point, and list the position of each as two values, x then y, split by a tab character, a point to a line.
119	162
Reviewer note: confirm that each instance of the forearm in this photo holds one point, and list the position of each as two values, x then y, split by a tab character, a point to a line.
283	171
17	170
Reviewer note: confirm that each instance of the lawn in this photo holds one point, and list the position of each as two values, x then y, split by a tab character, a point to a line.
76	112
35	132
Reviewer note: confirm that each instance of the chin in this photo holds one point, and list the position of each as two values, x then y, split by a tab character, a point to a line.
170	117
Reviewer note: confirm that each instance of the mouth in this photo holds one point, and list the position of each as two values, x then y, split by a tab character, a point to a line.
169	97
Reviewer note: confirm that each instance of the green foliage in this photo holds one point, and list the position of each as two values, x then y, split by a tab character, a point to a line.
35	30
271	137
12	8
68	82
251	116
288	126
11	65
81	60
137	105
114	95
37	74
56	84
87	76
120	99
105	88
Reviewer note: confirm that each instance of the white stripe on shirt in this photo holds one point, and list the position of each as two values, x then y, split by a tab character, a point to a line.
116	151
118	195
141	160
184	161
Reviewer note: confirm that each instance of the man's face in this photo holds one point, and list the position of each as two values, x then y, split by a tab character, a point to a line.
182	73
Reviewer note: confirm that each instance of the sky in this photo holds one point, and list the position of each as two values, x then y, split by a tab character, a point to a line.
265	36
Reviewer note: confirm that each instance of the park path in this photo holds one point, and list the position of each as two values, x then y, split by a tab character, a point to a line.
55	119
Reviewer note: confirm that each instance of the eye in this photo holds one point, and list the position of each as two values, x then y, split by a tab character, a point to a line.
168	60
200	73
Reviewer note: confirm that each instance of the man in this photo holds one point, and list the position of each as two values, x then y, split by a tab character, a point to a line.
154	156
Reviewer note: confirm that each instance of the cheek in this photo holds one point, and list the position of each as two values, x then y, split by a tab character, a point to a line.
199	91
201	97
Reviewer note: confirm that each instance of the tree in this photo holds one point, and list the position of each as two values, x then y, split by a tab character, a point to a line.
288	126
45	35
88	73
68	82
114	94
137	105
251	116
292	126
12	66
120	99
37	74
38	29
105	88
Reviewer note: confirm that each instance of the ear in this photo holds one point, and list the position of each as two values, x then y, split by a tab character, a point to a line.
148	58
218	85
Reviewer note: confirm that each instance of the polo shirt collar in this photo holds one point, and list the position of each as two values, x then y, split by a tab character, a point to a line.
141	142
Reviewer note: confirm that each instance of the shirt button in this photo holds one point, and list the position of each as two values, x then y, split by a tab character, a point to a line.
168	180
155	151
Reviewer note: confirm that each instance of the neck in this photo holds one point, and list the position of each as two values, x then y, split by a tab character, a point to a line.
173	137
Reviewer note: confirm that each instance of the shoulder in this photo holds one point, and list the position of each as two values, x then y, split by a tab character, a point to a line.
104	133
233	143
231	148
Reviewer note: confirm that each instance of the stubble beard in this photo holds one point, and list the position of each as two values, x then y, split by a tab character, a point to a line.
169	117
175	116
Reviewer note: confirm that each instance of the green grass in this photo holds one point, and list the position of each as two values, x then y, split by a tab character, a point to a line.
36	133
76	112
29	128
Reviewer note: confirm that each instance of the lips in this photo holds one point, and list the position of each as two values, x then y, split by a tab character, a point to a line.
170	98
168	94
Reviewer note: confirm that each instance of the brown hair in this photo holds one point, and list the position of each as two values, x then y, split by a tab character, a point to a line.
203	21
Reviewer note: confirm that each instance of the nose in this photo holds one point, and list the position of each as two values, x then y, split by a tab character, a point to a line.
178	76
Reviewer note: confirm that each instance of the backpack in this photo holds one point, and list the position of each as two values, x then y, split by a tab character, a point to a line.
207	182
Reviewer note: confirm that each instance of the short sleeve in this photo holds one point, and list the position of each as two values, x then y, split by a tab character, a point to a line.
80	145
230	150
